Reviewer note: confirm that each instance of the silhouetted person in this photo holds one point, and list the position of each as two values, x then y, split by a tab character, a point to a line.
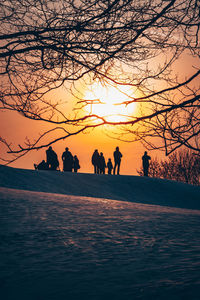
95	161
102	164
145	162
109	166
52	159
68	160
41	166
76	164
117	159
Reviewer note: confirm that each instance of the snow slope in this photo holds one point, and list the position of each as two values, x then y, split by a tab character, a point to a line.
62	239
126	188
58	247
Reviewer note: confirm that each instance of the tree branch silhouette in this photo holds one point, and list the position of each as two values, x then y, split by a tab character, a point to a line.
68	44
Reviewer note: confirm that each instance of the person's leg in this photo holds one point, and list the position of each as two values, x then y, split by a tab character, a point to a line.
53	167
114	168
118	168
147	172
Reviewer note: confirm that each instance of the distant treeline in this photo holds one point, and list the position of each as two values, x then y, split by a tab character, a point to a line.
180	166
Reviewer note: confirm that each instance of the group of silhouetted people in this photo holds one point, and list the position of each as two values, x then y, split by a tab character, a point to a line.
51	162
71	163
99	163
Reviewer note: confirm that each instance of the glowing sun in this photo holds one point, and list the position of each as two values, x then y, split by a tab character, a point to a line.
104	101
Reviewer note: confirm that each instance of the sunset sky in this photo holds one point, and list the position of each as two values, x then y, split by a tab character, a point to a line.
81	145
16	128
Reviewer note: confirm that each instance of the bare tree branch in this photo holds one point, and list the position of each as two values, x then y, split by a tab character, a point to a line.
68	44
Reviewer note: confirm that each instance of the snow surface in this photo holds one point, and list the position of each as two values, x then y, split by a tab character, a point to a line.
62	239
126	188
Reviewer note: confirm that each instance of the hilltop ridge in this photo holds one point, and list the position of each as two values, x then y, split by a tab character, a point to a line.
122	187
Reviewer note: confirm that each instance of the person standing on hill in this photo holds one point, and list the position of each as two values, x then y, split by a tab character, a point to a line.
117	159
145	163
67	159
76	164
95	161
109	166
52	159
102	163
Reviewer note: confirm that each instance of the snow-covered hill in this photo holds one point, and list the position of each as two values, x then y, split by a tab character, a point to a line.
66	236
126	188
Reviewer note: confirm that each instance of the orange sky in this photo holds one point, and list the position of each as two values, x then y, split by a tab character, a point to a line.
15	129
82	145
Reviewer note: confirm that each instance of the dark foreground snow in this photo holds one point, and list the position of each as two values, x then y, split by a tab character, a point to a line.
56	246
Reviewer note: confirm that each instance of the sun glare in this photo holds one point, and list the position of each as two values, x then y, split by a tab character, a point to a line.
104	101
